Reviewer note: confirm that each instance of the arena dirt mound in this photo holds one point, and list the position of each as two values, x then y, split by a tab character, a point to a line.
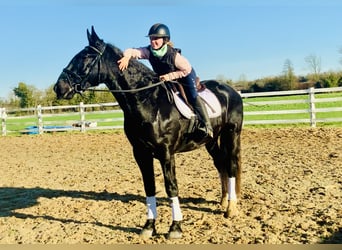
87	188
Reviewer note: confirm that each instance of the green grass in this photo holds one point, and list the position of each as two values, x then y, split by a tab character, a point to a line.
295	106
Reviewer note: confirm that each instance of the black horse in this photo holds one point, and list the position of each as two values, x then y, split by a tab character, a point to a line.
154	126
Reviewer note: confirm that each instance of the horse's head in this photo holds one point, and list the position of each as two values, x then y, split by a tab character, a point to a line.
83	70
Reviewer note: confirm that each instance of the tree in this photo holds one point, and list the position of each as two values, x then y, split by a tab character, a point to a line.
242	83
223	79
289	75
330	79
314	64
50	98
25	95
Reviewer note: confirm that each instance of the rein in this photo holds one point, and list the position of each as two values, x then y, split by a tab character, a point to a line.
169	95
127	90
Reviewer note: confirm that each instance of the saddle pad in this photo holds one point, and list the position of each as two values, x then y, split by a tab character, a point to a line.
210	100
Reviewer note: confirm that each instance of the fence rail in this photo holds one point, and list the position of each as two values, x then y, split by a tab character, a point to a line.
59	118
311	110
109	116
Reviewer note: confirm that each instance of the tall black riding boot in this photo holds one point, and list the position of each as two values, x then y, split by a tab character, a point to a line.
203	116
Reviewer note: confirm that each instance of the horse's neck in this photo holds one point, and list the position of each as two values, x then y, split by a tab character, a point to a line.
136	103
136	73
140	105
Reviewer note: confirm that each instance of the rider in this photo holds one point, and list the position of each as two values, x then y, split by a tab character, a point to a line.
170	65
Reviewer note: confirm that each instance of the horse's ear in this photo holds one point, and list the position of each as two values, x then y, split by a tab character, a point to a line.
93	38
93	34
88	35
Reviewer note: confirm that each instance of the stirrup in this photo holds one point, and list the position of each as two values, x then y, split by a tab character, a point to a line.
207	131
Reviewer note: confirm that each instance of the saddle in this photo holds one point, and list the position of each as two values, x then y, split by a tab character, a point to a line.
212	104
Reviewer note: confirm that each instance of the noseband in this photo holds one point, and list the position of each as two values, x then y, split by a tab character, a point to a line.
75	81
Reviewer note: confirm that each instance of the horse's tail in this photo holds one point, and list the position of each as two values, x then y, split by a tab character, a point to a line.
239	169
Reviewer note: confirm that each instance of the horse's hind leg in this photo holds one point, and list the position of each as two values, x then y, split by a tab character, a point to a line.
231	146
227	160
215	151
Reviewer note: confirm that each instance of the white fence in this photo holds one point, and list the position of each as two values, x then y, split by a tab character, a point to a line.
54	118
311	109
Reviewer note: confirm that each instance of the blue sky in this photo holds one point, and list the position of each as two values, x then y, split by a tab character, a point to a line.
221	38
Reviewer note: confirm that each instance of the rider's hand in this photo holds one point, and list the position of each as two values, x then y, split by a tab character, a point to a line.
123	63
165	77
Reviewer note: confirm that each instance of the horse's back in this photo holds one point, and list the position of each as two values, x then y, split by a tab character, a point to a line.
229	98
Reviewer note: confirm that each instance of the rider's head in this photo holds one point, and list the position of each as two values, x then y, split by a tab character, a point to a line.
159	30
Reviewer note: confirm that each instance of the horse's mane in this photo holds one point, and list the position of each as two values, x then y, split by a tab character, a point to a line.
137	67
140	75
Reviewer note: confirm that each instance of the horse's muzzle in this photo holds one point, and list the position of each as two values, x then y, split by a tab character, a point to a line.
63	90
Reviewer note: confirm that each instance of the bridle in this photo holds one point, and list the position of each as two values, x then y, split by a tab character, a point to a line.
75	81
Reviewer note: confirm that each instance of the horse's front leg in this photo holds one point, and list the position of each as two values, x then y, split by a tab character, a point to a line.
145	162
169	171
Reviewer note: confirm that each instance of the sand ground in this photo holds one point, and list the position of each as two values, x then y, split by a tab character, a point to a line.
87	188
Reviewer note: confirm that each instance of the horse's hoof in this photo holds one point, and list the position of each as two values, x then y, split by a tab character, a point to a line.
148	230
232	210
175	231
224	203
147	233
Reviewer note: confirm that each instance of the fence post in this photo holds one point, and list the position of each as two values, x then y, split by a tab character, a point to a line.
3	121
312	107
82	116
40	119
